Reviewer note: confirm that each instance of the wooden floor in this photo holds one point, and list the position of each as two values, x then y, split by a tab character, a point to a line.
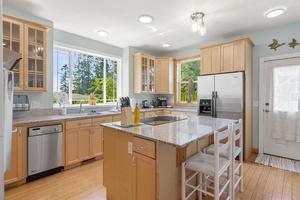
85	182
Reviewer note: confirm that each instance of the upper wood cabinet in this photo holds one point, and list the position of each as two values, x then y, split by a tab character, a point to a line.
144	73
152	75
29	39
164	76
226	57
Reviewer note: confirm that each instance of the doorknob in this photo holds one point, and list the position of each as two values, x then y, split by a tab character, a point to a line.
267	104
267	111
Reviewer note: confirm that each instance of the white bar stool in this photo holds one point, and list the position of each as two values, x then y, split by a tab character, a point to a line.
205	166
237	155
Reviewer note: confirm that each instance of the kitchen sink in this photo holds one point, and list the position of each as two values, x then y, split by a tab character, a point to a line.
158	120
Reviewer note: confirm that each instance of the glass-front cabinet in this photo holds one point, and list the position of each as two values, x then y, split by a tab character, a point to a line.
35	58
13	40
29	39
144	73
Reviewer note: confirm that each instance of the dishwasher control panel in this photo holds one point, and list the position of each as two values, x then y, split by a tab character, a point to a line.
41	130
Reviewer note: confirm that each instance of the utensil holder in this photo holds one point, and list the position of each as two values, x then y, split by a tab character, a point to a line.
126	116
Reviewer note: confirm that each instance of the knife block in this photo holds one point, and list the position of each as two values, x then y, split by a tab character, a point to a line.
126	116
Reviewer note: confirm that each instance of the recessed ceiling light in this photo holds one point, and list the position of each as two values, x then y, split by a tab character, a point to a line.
166	44
145	19
275	13
102	32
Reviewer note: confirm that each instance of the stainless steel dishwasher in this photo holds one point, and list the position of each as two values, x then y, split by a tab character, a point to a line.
44	151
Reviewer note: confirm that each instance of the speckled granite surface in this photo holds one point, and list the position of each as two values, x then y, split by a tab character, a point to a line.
47	115
180	133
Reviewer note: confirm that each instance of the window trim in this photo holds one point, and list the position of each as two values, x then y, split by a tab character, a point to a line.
176	65
72	48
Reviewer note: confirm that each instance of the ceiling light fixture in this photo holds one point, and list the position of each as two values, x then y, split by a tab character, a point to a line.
102	32
198	24
275	13
145	19
165	44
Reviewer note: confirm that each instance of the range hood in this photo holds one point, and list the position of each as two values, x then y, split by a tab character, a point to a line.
10	58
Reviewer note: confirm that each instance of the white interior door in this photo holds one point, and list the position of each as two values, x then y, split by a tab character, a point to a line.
280	107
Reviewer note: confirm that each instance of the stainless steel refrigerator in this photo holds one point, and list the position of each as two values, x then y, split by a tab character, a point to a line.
221	95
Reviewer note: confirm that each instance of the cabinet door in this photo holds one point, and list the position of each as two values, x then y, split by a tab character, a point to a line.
151	74
233	56
84	143
149	114
96	142
35	58
72	147
162	77
13	40
144	177
210	60
15	172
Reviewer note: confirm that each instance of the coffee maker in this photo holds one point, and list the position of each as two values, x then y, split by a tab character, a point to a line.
162	102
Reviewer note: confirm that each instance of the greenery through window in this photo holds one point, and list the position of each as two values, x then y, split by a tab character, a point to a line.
188	72
80	75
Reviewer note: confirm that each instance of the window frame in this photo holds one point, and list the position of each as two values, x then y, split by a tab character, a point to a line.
177	90
71	49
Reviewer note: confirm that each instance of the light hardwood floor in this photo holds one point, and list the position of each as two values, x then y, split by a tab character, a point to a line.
85	182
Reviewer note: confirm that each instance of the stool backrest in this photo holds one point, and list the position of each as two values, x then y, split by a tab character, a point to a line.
238	133
218	136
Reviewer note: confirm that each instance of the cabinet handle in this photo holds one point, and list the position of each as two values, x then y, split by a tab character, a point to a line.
133	161
79	123
143	147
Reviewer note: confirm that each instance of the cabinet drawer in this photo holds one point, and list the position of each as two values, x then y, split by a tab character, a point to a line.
149	114
78	123
116	118
143	146
100	120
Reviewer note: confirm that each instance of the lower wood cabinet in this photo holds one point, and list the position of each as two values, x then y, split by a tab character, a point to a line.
144	177
184	113
16	171
84	139
144	169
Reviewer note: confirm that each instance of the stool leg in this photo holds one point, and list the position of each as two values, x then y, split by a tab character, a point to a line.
183	181
200	179
241	173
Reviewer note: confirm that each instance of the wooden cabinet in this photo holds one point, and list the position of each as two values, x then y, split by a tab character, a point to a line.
84	139
96	137
210	60
18	166
152	75
29	39
184	113
226	57
13	40
164	75
144	73
35	58
149	114
144	169
162	112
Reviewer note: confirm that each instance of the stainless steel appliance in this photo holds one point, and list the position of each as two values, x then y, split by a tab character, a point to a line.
44	151
221	95
10	60
162	102
145	104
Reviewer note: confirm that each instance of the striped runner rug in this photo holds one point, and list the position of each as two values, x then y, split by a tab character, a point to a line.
278	162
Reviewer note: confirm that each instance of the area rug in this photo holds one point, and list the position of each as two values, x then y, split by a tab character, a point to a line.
277	162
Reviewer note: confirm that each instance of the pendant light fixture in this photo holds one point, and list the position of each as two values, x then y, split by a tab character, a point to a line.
198	24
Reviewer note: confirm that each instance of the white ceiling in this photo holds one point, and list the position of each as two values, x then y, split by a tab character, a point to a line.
223	19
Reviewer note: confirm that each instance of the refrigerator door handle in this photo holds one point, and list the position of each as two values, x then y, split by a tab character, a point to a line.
213	104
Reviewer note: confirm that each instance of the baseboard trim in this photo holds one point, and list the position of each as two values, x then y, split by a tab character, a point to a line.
254	150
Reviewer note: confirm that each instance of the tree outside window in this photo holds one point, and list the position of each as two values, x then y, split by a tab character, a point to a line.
187	73
80	74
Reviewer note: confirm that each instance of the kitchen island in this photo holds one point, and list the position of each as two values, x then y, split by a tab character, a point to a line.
143	162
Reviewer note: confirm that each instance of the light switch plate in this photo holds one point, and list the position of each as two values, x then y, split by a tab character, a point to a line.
130	147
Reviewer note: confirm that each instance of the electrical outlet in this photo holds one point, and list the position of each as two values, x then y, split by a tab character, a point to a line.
34	104
130	147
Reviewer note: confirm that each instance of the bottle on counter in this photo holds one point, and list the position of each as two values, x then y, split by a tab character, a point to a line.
136	115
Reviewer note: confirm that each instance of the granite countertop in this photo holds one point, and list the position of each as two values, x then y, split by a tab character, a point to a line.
49	118
179	133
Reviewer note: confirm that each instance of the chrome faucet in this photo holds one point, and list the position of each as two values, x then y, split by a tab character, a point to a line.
80	107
